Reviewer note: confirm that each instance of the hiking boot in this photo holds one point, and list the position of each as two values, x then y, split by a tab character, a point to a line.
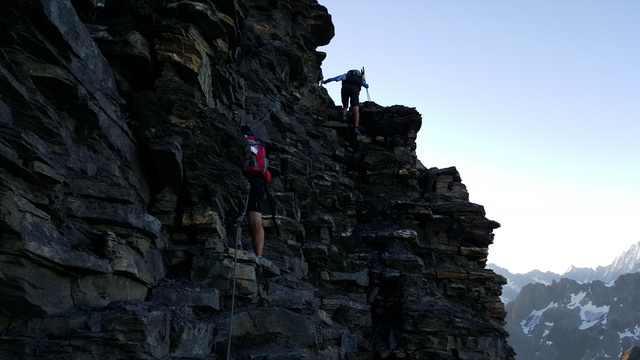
269	267
344	118
357	131
238	245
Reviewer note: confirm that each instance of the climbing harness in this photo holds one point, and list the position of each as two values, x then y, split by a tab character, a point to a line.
235	266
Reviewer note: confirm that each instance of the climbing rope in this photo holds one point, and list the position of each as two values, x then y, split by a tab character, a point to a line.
276	105
235	266
309	98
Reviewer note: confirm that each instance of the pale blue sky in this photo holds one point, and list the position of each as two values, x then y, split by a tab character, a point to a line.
536	102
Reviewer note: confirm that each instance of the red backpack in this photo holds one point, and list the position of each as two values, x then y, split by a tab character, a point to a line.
258	163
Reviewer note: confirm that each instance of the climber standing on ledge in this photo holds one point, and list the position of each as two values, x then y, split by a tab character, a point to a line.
256	170
352	82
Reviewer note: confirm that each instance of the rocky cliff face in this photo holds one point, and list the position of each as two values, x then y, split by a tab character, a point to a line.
120	155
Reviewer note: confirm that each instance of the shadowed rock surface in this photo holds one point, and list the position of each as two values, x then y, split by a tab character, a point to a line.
631	354
120	152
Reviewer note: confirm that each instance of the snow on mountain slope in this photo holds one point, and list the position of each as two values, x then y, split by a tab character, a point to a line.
568	320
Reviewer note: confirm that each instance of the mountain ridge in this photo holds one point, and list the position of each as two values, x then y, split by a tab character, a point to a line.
627	262
567	320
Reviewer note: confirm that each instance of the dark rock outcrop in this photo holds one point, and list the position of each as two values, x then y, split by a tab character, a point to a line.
632	354
120	172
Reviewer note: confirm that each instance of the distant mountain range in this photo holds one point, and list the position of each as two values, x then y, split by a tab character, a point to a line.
627	262
583	314
567	320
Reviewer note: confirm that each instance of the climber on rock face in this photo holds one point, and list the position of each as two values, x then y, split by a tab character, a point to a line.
352	82
257	173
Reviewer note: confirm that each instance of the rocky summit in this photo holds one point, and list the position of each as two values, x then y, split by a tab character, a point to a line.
120	159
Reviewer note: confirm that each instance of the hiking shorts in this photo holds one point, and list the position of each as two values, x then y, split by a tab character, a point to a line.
351	93
257	195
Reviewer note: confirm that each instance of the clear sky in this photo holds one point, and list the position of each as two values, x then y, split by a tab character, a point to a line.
536	103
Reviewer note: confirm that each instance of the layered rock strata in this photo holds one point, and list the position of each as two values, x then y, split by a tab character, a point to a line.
120	155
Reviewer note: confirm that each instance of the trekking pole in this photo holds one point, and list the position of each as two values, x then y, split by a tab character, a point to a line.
368	97
235	266
273	210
